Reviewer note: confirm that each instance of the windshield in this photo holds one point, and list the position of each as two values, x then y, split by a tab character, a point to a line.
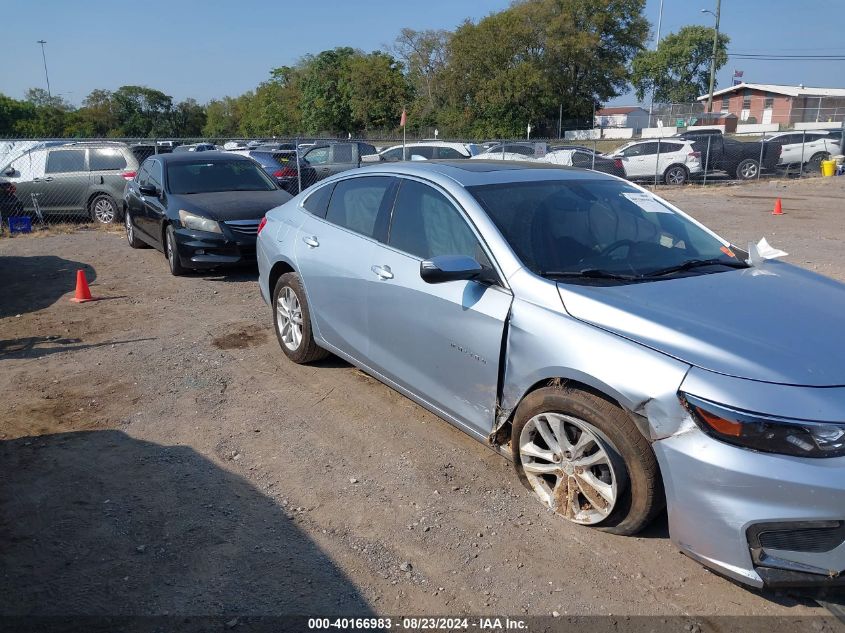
214	176
598	228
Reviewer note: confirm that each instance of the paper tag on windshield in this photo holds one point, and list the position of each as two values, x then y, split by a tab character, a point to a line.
647	202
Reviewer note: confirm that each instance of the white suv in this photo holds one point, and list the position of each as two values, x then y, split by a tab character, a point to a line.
427	150
809	148
671	160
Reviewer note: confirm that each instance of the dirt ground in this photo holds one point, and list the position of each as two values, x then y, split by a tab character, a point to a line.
159	455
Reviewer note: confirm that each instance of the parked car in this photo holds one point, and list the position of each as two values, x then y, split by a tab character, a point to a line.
525	148
429	150
808	148
616	349
201	211
281	165
739	159
332	158
196	147
76	178
586	159
672	161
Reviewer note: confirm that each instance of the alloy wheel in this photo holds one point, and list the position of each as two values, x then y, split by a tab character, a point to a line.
289	318
568	464
749	170
676	176
104	211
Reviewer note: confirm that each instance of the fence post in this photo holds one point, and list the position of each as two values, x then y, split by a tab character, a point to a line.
707	159
657	162
760	162
298	170
801	164
595	149
503	150
155	146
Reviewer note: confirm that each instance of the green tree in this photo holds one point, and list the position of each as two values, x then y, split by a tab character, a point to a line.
41	98
679	70
325	103
223	116
376	91
188	118
275	108
423	54
142	112
521	65
13	114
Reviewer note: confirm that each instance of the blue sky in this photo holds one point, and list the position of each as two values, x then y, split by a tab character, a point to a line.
211	48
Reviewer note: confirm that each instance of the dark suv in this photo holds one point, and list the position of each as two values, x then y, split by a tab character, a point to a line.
85	178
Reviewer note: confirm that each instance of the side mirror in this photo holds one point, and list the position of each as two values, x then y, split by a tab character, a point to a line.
148	190
449	268
9	172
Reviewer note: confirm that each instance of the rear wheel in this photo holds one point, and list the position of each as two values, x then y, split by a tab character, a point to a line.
675	175
292	321
103	209
584	459
814	165
131	237
747	169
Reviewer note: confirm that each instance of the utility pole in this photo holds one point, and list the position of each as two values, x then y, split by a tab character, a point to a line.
713	58
656	44
44	57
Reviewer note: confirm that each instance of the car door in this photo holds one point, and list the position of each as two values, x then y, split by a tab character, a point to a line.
134	199
639	159
27	172
155	207
106	169
790	151
667	154
64	187
333	256
440	342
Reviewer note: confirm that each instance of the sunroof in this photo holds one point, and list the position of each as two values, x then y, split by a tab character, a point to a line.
479	165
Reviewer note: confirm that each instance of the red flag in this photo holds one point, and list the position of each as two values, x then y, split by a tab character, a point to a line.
404	118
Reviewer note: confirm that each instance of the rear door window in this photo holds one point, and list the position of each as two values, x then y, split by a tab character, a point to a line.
448	152
342	153
61	161
318	202
356	202
106	159
670	147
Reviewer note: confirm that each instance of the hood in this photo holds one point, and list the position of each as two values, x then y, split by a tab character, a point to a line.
773	323
231	205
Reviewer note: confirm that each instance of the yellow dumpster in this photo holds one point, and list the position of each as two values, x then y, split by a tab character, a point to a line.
828	167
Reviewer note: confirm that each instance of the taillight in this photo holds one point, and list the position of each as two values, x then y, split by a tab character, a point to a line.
128	175
618	164
285	172
261	224
695	155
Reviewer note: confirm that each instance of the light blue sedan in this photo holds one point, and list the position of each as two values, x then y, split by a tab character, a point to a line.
620	353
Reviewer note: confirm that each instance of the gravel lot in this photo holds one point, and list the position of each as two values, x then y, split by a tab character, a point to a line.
159	455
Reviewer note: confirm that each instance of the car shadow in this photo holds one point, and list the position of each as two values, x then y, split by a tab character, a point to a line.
240	274
98	523
30	347
33	283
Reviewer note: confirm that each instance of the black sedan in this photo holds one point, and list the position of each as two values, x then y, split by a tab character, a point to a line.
202	211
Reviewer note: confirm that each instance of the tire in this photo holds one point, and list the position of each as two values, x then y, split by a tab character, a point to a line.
131	236
814	165
747	169
296	340
176	267
622	462
103	209
675	175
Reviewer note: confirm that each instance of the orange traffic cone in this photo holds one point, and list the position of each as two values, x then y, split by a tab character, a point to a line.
778	210
83	293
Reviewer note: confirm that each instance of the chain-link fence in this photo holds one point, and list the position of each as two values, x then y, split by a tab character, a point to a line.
48	180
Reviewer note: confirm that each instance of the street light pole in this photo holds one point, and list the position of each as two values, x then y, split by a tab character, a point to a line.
713	58
656	44
44	57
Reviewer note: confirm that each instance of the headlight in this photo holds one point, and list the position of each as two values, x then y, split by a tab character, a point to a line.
765	433
197	222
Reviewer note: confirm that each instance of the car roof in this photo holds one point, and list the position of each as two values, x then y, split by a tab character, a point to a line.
469	173
193	157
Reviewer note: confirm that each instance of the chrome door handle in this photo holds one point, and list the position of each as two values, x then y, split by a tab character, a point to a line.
311	241
383	272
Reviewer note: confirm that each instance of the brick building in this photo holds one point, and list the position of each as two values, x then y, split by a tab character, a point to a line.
773	103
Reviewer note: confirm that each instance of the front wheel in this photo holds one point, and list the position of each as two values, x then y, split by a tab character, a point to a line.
585	460
103	209
292	321
131	236
675	175
173	261
747	169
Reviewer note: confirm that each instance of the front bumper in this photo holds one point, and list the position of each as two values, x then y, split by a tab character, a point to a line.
203	250
720	498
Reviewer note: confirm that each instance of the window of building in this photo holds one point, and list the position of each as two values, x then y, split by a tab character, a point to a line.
770	100
746	99
726	102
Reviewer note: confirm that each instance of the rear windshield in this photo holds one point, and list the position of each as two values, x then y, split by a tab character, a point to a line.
219	175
